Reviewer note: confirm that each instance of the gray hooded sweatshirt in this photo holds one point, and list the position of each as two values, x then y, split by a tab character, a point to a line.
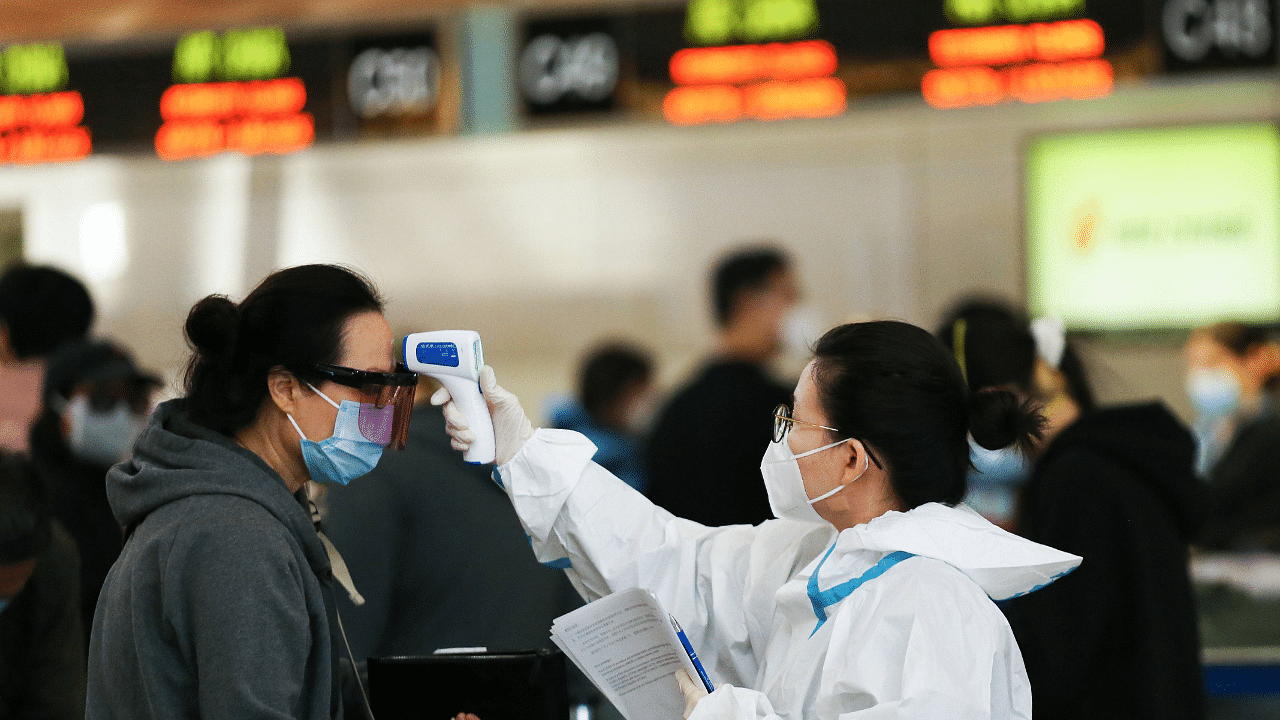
219	606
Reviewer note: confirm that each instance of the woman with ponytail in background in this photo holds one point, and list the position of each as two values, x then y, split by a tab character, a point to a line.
221	604
1117	638
870	596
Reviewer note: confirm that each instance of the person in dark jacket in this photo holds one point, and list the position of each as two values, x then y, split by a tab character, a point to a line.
221	604
41	639
95	403
439	555
703	457
1233	376
1118	637
440	559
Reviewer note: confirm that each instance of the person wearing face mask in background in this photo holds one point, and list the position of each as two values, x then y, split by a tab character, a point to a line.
1118	637
221	603
702	461
1233	370
615	394
41	639
41	308
95	403
869	597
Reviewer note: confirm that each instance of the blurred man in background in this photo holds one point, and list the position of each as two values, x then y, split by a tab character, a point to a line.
95	403
1232	373
615	392
436	550
41	308
703	461
42	659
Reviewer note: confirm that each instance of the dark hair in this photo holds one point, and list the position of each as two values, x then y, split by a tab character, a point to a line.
1000	351
42	308
1238	337
897	388
293	319
25	518
741	271
608	372
93	362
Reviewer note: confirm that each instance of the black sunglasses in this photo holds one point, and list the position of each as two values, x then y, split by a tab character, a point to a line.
360	379
393	392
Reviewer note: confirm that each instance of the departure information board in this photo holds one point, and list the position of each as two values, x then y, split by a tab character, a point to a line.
40	119
729	60
256	90
268	90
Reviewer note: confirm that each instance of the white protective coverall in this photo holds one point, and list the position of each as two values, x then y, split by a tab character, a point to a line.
919	639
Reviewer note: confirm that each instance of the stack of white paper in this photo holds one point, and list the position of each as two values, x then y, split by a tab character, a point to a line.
626	644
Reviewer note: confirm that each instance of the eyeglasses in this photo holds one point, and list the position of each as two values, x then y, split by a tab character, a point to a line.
387	404
358	379
782	422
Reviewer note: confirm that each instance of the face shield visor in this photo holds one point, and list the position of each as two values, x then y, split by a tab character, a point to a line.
386	402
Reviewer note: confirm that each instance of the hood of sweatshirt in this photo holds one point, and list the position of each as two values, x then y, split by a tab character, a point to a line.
175	458
1152	444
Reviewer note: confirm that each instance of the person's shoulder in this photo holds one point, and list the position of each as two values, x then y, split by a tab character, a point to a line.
1263	432
1079	463
222	520
230	537
731	385
924	584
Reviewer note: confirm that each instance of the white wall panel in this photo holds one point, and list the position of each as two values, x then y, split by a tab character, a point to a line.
546	241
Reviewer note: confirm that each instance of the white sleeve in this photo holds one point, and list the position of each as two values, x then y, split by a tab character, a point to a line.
609	537
734	703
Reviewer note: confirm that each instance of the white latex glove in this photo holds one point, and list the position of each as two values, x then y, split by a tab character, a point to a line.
511	427
693	691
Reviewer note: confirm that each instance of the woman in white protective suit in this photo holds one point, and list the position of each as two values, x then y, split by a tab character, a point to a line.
871	596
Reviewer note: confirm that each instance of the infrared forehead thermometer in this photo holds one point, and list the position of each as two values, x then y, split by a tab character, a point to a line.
454	357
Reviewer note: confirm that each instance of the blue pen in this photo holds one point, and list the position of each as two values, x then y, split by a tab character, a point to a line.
706	681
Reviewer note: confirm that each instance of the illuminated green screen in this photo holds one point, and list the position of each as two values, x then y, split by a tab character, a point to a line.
1155	228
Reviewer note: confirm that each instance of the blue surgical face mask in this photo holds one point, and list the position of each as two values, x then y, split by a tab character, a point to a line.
102	438
1006	466
1214	392
343	456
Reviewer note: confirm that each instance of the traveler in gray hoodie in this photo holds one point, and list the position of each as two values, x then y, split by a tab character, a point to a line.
221	603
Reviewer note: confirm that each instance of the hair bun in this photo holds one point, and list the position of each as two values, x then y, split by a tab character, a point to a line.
998	419
213	327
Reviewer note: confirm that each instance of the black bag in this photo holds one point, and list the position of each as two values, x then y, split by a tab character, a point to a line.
494	685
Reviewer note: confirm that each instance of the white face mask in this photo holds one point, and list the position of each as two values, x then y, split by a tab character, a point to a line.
785	485
802	327
102	438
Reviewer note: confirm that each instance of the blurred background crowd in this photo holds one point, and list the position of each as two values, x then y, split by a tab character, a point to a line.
655	281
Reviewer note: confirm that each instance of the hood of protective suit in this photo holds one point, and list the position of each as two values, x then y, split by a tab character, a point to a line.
176	458
1001	563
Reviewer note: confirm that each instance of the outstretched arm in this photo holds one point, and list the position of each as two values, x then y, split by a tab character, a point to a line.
608	537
